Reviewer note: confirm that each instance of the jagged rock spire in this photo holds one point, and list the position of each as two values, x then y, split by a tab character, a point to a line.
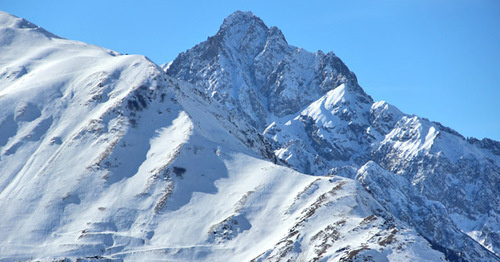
253	68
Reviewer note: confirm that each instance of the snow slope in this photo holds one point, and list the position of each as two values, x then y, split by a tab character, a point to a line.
105	156
319	121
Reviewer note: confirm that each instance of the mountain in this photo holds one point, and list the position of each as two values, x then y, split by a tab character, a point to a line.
242	148
320	122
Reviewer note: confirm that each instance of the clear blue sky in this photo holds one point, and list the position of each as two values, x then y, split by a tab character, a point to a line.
439	59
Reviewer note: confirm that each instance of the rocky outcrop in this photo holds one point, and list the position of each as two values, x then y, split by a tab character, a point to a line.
319	121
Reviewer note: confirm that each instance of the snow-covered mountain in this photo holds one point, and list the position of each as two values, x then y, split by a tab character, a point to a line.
242	148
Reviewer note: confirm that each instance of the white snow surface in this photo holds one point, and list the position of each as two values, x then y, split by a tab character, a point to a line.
319	121
105	156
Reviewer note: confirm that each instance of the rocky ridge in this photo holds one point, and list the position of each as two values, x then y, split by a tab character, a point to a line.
319	121
243	148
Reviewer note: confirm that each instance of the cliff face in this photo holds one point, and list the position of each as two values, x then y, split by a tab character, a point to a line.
251	68
319	121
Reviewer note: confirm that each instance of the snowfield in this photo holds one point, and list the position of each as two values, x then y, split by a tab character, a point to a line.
225	155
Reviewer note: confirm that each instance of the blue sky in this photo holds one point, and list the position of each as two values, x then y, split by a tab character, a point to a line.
438	59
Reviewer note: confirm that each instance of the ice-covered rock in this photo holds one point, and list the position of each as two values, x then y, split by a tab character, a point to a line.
319	121
107	156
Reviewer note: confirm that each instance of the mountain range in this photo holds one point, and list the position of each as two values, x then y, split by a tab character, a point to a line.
243	148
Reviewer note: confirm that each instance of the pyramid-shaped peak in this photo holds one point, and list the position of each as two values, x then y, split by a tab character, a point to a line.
276	34
241	18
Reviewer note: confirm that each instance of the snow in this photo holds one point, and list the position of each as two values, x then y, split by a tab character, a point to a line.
105	155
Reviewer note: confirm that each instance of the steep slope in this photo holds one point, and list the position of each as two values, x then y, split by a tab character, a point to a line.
71	137
103	156
331	136
251	68
320	122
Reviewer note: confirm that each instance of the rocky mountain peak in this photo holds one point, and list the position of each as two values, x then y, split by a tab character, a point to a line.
241	31
276	36
120	161
275	46
241	18
319	121
254	69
